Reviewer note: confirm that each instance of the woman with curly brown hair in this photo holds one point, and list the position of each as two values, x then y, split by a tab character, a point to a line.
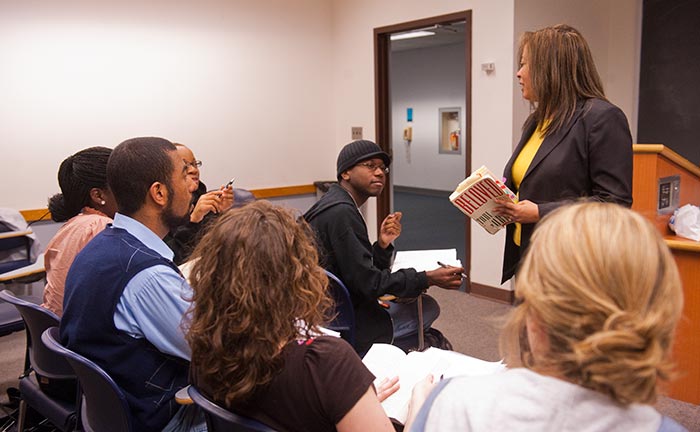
259	301
600	299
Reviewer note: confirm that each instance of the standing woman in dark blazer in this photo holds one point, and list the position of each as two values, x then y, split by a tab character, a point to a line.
574	144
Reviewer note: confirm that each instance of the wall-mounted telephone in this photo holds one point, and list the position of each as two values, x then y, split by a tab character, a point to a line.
408	134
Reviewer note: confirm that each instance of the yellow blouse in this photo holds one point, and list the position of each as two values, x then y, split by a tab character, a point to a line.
522	163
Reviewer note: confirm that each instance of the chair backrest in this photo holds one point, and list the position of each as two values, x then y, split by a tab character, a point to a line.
220	419
25	247
26	274
17	241
104	407
344	321
10	319
242	197
37	319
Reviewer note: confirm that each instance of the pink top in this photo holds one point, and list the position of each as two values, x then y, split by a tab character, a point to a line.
62	249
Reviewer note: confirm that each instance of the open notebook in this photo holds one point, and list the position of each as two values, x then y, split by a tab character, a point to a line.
385	360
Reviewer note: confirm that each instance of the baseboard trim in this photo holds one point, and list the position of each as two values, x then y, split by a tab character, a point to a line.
422	191
492	293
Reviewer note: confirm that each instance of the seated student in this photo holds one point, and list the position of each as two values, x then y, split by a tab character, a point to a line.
205	207
364	267
600	299
88	205
125	298
259	299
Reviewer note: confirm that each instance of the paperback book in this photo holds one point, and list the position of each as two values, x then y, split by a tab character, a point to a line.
477	195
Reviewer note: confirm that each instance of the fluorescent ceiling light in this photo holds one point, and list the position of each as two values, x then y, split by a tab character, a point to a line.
411	35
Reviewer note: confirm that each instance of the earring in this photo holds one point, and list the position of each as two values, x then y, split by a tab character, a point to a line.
102	202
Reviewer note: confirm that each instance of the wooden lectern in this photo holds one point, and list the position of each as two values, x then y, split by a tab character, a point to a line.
662	181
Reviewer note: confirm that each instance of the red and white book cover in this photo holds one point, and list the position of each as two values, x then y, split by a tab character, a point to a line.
477	195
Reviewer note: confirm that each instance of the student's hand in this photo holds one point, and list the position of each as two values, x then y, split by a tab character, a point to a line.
523	211
387	388
446	277
420	393
226	197
209	202
390	229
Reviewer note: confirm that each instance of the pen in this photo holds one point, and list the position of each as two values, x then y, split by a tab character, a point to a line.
230	183
443	265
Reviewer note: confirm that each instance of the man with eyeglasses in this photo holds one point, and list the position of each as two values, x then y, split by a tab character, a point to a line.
205	206
346	251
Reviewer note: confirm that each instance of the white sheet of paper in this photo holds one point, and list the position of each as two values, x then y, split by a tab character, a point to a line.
425	260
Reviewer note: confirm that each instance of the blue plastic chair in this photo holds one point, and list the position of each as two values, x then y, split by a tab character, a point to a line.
220	419
47	367
103	407
344	321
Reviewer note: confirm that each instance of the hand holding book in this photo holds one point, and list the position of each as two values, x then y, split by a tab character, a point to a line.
523	211
479	195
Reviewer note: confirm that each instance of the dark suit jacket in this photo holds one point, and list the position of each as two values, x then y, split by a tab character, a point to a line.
591	156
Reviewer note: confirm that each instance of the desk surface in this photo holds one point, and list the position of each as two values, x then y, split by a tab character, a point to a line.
681	243
13	234
33	269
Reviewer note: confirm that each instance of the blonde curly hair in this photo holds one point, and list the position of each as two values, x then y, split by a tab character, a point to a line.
255	278
602	285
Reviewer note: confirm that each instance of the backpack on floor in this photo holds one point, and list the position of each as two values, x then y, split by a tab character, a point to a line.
434	338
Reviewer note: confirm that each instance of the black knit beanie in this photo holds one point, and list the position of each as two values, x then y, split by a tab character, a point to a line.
358	151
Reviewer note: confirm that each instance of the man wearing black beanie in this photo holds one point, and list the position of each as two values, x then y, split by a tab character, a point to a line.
363	267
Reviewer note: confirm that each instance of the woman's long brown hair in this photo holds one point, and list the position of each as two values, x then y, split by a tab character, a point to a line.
255	278
562	73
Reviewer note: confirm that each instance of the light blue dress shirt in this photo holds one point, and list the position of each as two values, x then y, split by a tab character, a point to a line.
155	300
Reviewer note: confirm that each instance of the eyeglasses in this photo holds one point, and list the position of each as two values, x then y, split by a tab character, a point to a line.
372	167
194	164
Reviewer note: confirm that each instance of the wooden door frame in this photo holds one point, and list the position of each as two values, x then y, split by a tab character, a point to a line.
382	102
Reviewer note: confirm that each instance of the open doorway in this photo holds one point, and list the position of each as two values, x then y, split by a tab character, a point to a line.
423	119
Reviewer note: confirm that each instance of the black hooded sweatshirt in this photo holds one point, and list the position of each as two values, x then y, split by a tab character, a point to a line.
364	268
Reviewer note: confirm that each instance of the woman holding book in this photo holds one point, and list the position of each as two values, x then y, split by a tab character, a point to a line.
575	143
590	341
259	301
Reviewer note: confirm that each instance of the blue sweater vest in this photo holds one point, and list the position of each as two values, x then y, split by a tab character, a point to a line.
95	282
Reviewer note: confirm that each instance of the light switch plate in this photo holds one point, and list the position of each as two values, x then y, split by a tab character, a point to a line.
356	132
668	196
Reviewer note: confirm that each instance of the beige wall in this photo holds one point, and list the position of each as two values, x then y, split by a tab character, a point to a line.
248	84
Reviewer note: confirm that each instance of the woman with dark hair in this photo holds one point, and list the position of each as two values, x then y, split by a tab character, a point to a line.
259	301
590	342
87	204
574	144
